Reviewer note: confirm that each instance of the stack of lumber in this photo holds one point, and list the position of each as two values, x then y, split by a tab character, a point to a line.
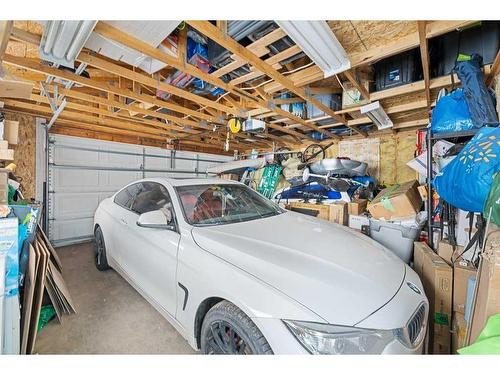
43	274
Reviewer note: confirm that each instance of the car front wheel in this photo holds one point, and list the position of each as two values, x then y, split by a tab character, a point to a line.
228	330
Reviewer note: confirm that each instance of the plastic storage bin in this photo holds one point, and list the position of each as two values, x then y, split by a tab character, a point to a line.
332	101
397	238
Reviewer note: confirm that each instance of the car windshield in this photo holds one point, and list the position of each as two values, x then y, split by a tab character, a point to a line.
223	204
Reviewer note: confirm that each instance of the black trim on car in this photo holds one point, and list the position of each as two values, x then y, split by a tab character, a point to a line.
186	295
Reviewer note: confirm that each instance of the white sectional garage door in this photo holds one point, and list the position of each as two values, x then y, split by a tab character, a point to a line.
83	172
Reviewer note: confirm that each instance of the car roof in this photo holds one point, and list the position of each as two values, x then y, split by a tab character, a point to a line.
189	181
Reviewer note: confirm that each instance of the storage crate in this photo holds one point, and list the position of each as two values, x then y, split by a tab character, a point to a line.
397	238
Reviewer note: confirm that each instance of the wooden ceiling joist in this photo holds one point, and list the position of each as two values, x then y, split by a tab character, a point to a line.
5	32
131	42
37	66
151	82
207	29
314	74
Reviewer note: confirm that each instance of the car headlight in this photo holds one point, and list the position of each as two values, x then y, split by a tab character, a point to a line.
320	338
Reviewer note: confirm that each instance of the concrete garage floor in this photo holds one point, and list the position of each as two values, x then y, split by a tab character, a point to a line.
112	318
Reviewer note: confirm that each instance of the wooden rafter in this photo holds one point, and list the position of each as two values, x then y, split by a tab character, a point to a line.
5	31
207	29
315	74
424	53
132	42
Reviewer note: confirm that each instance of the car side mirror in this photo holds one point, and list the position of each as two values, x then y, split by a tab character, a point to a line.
159	219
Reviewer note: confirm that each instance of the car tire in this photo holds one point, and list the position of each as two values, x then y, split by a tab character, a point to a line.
100	259
228	330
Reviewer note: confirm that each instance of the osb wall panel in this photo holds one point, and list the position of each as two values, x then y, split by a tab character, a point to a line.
395	152
25	151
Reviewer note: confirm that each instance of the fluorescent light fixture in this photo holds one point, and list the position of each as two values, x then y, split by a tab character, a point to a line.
62	41
377	114
154	33
318	42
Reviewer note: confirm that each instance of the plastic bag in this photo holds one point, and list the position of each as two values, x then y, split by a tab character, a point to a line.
451	114
492	204
488	342
466	181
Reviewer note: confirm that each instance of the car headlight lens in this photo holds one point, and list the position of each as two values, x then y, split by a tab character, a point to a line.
320	338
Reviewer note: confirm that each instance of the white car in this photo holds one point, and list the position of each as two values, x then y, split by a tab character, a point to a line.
235	273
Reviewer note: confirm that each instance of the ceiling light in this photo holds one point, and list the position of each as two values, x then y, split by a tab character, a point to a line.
154	33
318	42
62	41
377	114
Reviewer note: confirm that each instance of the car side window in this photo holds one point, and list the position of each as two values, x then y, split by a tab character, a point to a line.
151	196
125	197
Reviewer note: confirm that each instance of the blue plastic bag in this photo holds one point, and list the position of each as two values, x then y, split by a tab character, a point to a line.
451	114
467	179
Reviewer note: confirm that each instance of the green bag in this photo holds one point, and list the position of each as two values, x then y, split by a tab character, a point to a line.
493	201
488	341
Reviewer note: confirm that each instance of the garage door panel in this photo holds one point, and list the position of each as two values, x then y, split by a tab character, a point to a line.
96	173
72	229
74	205
77	157
68	179
115	180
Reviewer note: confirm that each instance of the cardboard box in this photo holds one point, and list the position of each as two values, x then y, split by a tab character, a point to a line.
7	155
230	176
11	132
335	212
437	279
445	251
458	332
338	213
321	211
461	276
422	190
357	206
357	221
487	301
397	201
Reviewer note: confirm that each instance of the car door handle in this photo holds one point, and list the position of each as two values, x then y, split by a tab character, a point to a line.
123	221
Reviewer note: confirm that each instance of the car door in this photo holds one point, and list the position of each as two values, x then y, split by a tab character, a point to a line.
120	214
149	256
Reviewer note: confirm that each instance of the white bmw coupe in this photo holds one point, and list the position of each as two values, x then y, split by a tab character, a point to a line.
236	274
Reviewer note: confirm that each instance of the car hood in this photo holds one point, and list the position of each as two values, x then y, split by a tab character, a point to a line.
339	274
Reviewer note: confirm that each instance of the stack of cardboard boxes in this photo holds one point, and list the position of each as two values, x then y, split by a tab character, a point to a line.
8	136
334	212
449	282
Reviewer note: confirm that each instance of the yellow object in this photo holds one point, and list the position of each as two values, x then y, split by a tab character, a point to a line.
11	167
234	125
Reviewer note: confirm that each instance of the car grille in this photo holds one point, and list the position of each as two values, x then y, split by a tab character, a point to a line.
415	324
